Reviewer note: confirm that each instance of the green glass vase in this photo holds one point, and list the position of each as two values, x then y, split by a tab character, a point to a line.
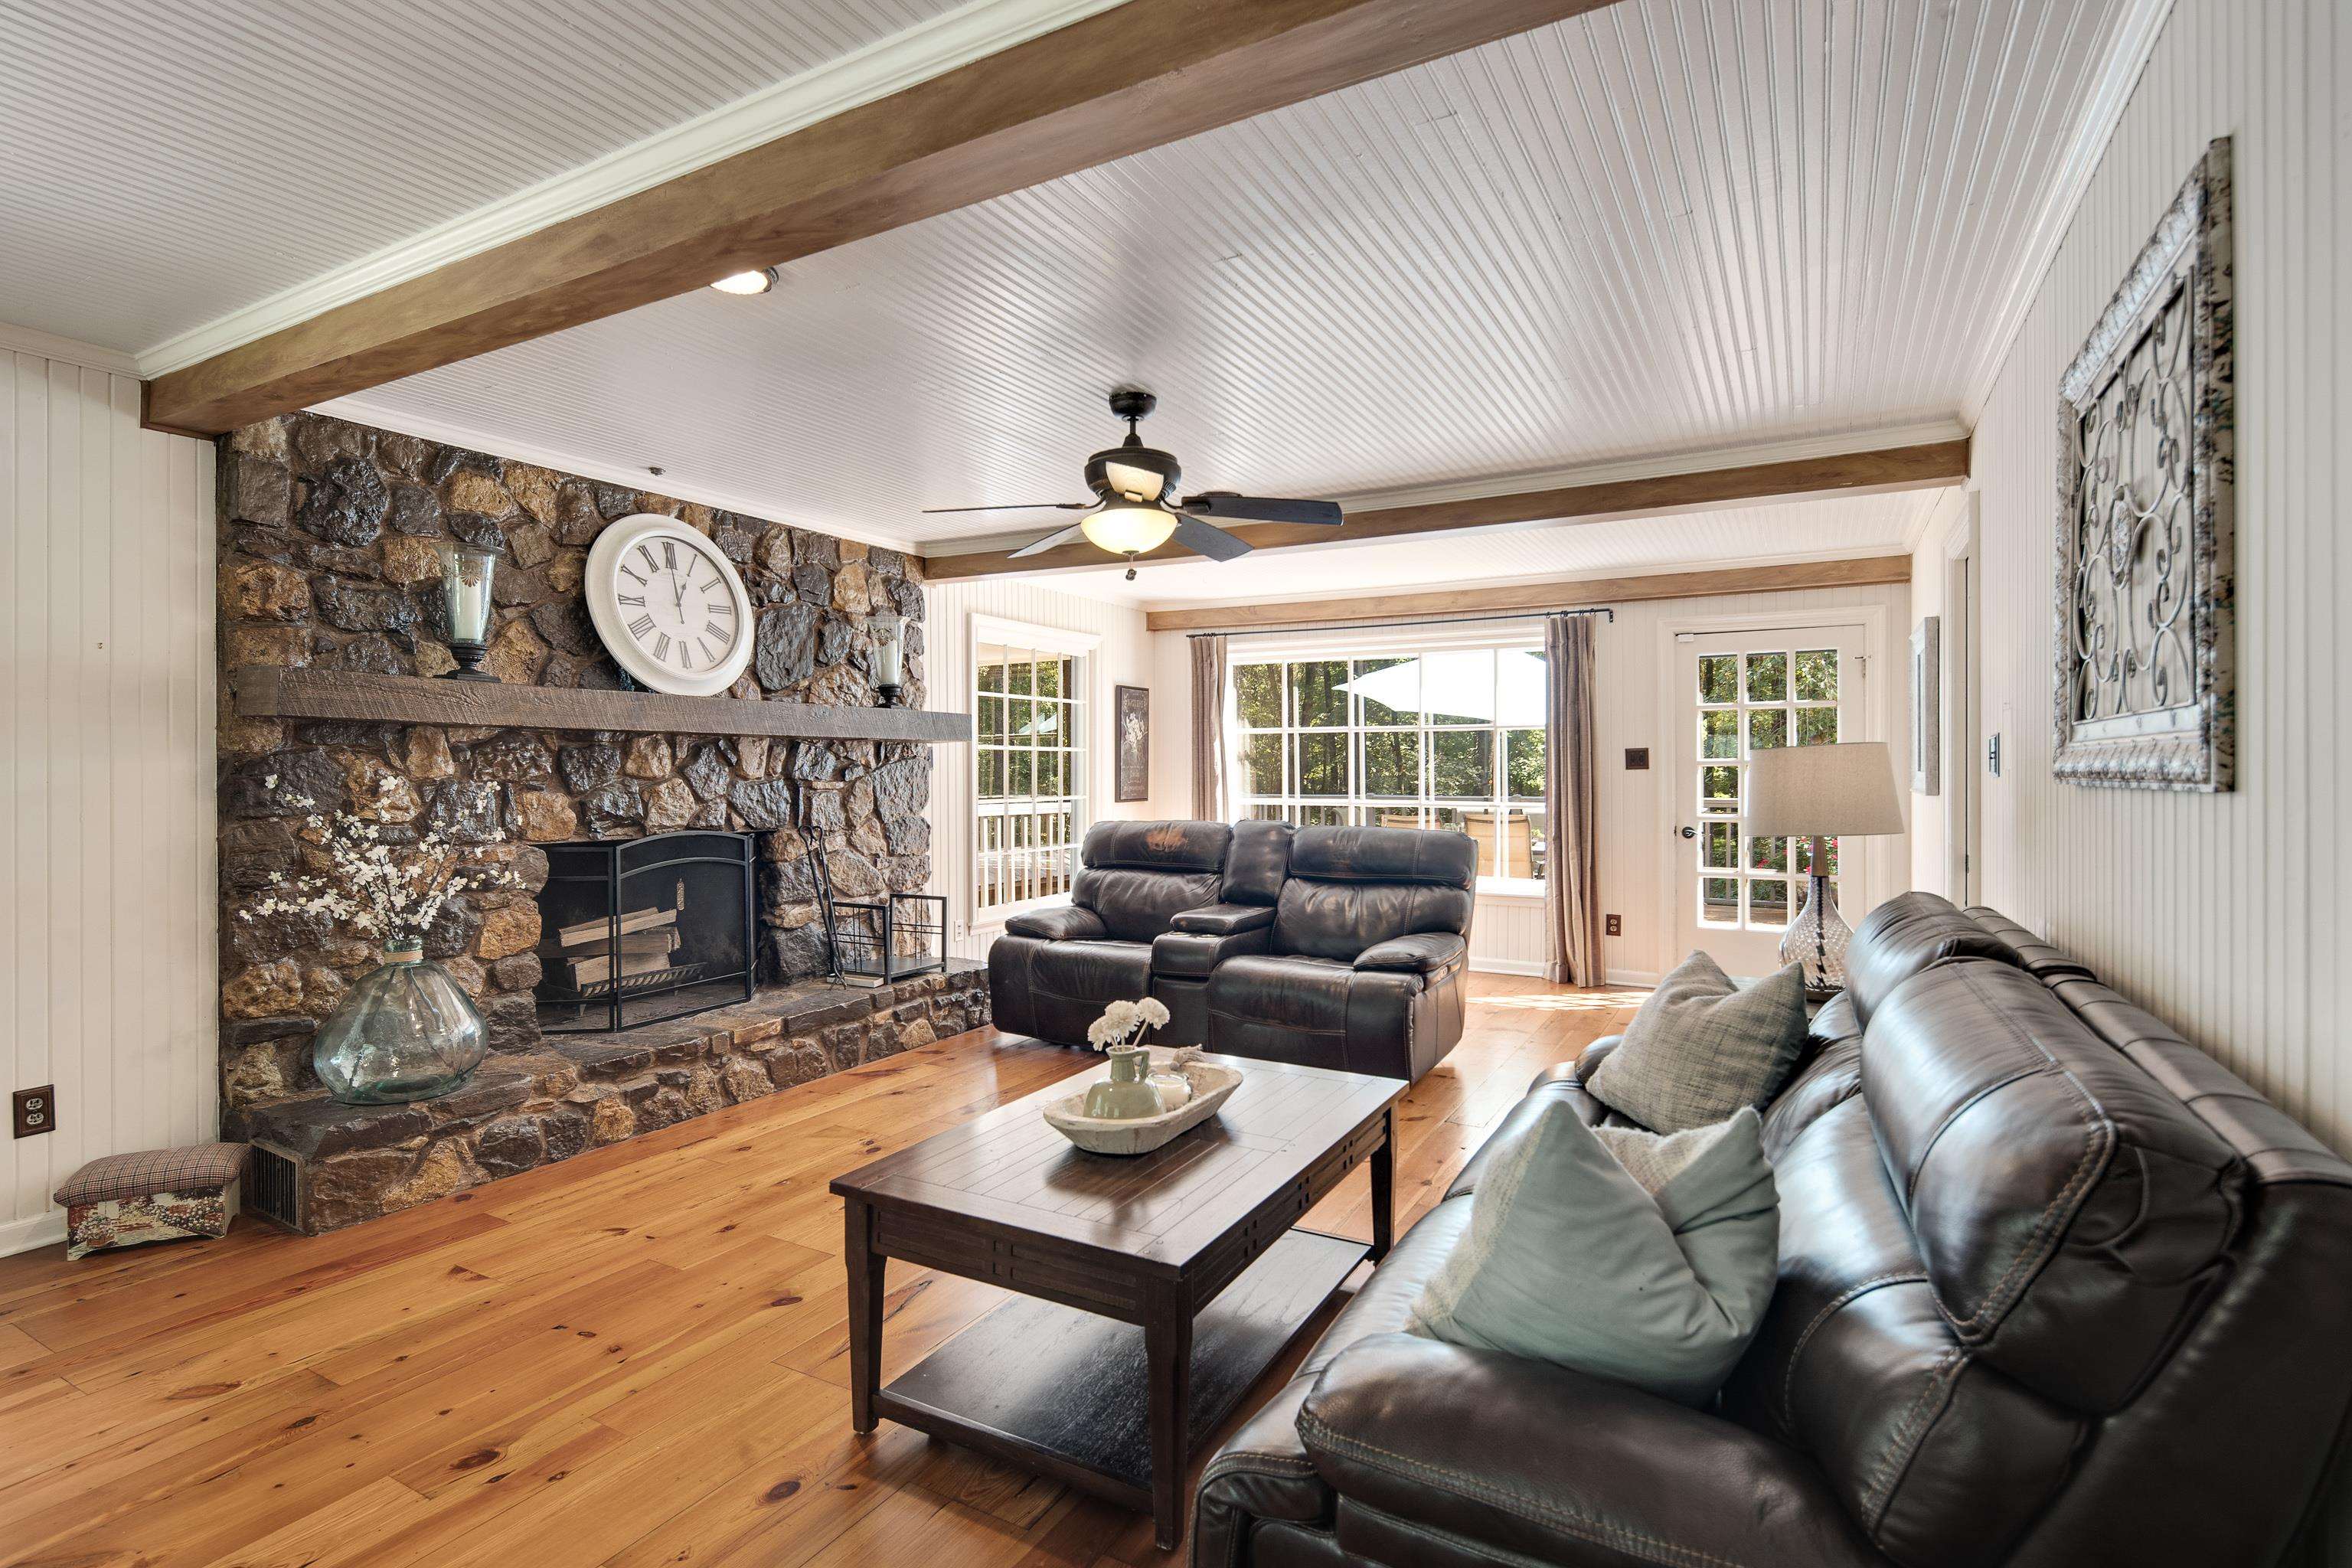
405	1031
1126	1095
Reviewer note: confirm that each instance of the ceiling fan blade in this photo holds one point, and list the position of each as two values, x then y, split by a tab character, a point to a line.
1032	506
1207	539
1226	507
1059	536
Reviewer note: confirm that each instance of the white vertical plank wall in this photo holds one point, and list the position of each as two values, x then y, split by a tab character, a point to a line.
1124	659
108	934
2224	913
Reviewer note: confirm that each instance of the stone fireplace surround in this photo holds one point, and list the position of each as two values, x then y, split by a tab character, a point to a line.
329	559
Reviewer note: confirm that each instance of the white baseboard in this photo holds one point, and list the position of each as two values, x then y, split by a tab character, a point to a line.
1505	965
1630	977
40	1230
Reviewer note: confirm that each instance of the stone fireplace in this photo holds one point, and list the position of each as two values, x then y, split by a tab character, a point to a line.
330	562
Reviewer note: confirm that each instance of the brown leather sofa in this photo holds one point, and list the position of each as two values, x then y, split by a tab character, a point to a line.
1365	959
2056	1288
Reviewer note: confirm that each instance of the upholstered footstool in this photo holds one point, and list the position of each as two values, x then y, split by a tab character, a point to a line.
161	1194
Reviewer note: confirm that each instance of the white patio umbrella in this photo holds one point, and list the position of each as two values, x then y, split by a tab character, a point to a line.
1457	685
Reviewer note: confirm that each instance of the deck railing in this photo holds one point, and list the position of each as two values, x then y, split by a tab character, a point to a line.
1021	850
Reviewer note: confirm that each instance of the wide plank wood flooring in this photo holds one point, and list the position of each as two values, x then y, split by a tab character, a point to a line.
635	1358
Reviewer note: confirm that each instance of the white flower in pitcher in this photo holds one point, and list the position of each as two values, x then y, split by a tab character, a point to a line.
1118	1021
1153	1011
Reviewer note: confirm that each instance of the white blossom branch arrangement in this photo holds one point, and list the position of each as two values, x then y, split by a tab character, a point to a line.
391	892
1122	1023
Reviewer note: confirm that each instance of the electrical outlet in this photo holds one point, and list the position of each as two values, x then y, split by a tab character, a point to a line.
1637	758
1616	926
34	1110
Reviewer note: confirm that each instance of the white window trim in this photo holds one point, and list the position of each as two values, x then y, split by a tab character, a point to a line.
1380	642
1086	647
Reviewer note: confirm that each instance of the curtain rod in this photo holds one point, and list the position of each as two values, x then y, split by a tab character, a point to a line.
1385	625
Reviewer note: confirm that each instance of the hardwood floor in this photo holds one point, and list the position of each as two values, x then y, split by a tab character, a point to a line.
635	1358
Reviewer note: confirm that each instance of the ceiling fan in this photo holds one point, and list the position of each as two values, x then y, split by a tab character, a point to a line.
1134	507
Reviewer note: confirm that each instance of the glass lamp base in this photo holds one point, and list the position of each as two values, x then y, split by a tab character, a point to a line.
1817	938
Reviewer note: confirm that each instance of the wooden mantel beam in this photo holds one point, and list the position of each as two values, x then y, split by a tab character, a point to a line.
1138	75
1850	473
1505	598
267	691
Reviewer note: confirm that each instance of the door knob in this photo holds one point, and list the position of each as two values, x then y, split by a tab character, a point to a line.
1689	832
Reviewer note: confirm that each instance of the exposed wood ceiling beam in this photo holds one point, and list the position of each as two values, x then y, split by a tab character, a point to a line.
1504	598
1889	469
1136	77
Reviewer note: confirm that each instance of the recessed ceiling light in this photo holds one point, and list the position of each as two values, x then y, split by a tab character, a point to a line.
758	282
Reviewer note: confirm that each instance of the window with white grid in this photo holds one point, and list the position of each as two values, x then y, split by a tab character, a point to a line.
1029	756
1747	702
1446	738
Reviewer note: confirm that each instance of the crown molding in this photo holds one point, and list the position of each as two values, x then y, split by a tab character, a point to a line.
358	411
2137	32
48	345
891	65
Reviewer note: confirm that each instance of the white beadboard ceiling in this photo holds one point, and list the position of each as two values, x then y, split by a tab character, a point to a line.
166	165
1664	230
1817	527
1669	226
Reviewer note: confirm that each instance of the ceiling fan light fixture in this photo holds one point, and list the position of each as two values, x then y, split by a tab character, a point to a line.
1133	483
756	282
1129	529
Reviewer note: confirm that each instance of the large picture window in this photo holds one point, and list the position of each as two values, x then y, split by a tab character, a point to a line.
1030	757
1448	738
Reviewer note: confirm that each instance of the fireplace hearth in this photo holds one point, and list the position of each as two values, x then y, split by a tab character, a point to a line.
642	930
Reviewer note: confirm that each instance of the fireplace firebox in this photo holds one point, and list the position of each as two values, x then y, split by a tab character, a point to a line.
640	931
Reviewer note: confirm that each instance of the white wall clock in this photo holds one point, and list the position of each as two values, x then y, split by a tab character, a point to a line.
668	605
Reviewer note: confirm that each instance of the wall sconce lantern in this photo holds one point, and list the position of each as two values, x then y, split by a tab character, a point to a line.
890	657
466	574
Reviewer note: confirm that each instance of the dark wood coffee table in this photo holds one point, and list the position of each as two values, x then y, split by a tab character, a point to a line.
1158	1286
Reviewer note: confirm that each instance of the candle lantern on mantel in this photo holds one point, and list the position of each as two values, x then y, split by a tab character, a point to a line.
466	574
890	657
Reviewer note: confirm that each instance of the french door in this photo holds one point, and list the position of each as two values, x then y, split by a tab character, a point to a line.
1733	694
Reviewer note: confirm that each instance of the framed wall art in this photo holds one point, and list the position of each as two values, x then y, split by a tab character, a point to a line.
1131	757
1926	706
2145	688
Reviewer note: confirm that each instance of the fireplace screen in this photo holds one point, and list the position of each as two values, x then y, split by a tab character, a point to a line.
636	931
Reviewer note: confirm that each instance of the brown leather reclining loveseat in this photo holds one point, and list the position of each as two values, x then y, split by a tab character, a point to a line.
1343	947
2056	1290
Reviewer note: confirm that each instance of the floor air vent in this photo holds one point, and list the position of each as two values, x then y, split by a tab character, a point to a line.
273	1186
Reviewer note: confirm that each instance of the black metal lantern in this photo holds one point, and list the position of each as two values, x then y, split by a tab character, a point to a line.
467	571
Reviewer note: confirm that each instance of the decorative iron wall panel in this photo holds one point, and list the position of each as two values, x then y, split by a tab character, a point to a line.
2144	694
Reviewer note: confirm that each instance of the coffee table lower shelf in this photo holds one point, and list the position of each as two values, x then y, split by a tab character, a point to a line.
1064	1393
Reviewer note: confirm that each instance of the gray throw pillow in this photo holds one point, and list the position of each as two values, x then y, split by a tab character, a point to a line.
1571	1257
1700	1047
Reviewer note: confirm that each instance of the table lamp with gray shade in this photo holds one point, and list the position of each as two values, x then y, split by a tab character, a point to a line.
1820	792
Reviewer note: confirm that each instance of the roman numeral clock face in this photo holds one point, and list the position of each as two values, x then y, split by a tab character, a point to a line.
669	608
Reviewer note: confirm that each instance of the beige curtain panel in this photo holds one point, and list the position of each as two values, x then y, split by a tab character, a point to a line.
1208	729
1571	788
